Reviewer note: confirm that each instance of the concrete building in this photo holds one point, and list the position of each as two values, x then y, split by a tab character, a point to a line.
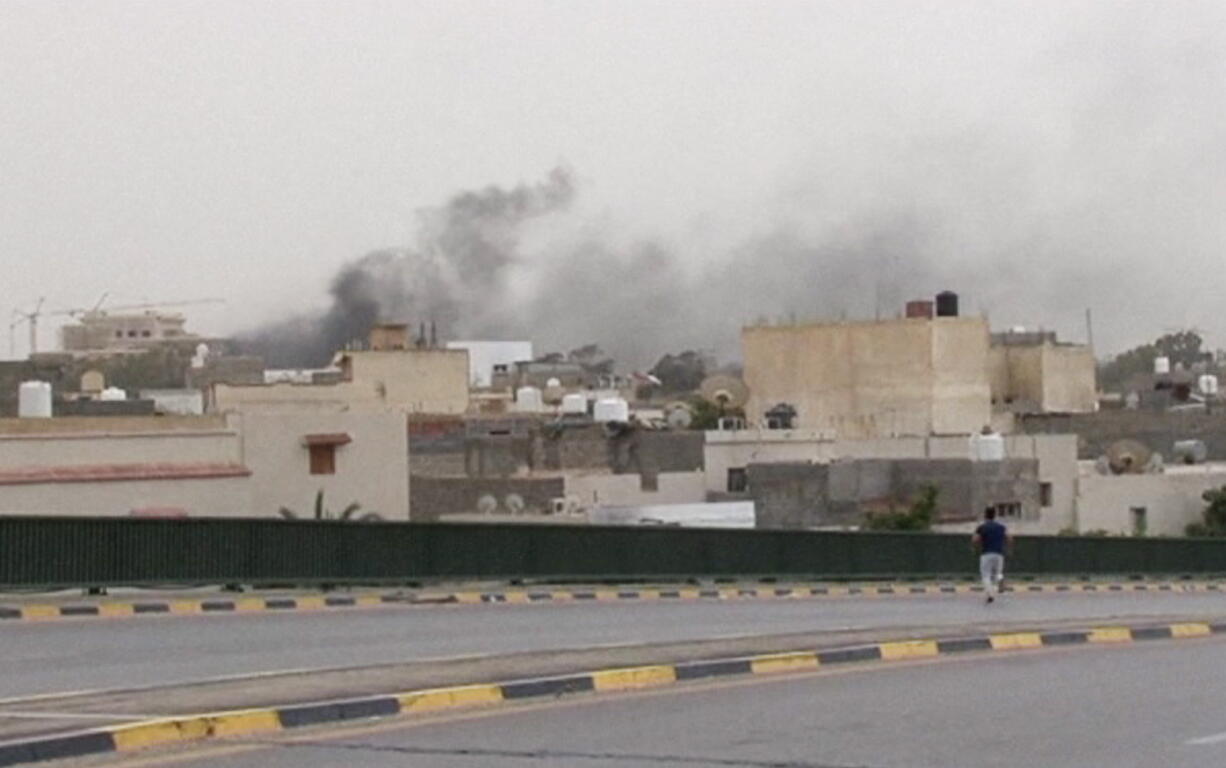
352	457
1030	372
241	465
122	465
487	357
100	330
1047	503
911	376
535	466
1159	504
389	376
842	494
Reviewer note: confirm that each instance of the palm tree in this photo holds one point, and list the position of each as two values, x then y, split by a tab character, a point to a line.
349	513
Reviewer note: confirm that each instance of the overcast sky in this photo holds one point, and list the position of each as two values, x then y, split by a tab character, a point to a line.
1044	156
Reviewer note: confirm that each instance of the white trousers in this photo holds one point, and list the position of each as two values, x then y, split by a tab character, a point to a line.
992	569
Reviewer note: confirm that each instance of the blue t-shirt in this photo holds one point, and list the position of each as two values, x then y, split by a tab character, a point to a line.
992	536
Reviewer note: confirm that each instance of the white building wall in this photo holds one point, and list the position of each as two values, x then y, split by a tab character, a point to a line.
484	355
591	490
1171	499
118	447
205	497
372	469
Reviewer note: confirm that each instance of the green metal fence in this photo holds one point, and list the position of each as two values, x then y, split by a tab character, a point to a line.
40	551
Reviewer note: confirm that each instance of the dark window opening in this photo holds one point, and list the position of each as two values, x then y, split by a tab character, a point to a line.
738	480
1045	494
649	481
323	459
1140	521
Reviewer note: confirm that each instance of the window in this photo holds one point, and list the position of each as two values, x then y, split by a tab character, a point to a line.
323	459
738	480
146	334
1140	522
131	334
649	481
1045	494
1009	509
321	450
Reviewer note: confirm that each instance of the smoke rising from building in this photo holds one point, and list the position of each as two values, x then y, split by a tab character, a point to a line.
472	275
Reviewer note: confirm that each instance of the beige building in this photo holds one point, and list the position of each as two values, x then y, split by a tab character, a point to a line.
424	381
590	490
360	457
1032	373
913	376
1160	504
121	466
241	465
728	453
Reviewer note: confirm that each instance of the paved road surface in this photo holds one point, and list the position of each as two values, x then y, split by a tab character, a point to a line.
37	658
1128	707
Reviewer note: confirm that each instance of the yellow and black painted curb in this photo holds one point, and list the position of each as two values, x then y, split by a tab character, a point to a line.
174	730
245	605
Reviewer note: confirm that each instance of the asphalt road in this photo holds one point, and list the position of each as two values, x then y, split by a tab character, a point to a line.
1127	707
40	658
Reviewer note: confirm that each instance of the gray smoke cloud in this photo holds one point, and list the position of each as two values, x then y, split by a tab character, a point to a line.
471	275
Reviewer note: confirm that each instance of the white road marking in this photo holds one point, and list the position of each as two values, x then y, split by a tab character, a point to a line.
1216	738
72	716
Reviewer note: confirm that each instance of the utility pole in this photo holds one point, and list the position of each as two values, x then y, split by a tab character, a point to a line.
1089	329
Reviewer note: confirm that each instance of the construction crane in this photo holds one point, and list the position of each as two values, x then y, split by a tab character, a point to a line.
30	318
97	308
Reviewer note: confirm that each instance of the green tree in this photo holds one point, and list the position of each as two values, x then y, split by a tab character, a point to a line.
682	372
707	414
919	517
1182	348
1214	515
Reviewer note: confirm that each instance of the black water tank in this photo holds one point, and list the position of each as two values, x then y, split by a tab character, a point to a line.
947	304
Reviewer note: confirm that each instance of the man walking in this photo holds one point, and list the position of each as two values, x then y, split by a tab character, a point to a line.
991	540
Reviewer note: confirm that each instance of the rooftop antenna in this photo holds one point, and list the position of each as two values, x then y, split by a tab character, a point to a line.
1089	329
433	336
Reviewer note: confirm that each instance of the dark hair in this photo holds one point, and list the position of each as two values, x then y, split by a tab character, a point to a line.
989	513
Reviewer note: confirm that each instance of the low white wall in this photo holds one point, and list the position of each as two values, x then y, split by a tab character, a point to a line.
624	490
1172	499
203	497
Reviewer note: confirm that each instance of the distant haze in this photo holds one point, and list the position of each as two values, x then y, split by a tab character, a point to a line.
644	175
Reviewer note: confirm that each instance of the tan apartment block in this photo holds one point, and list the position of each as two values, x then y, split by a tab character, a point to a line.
433	381
358	457
121	466
1043	378
914	376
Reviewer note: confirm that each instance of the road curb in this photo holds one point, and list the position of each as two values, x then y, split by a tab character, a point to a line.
177	730
326	602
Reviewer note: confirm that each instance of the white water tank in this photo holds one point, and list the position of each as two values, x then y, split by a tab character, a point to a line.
529	400
1162	365
1208	384
34	400
574	403
988	446
111	394
611	409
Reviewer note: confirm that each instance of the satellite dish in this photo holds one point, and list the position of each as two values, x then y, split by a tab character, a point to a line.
487	504
1128	457
725	391
679	415
514	503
